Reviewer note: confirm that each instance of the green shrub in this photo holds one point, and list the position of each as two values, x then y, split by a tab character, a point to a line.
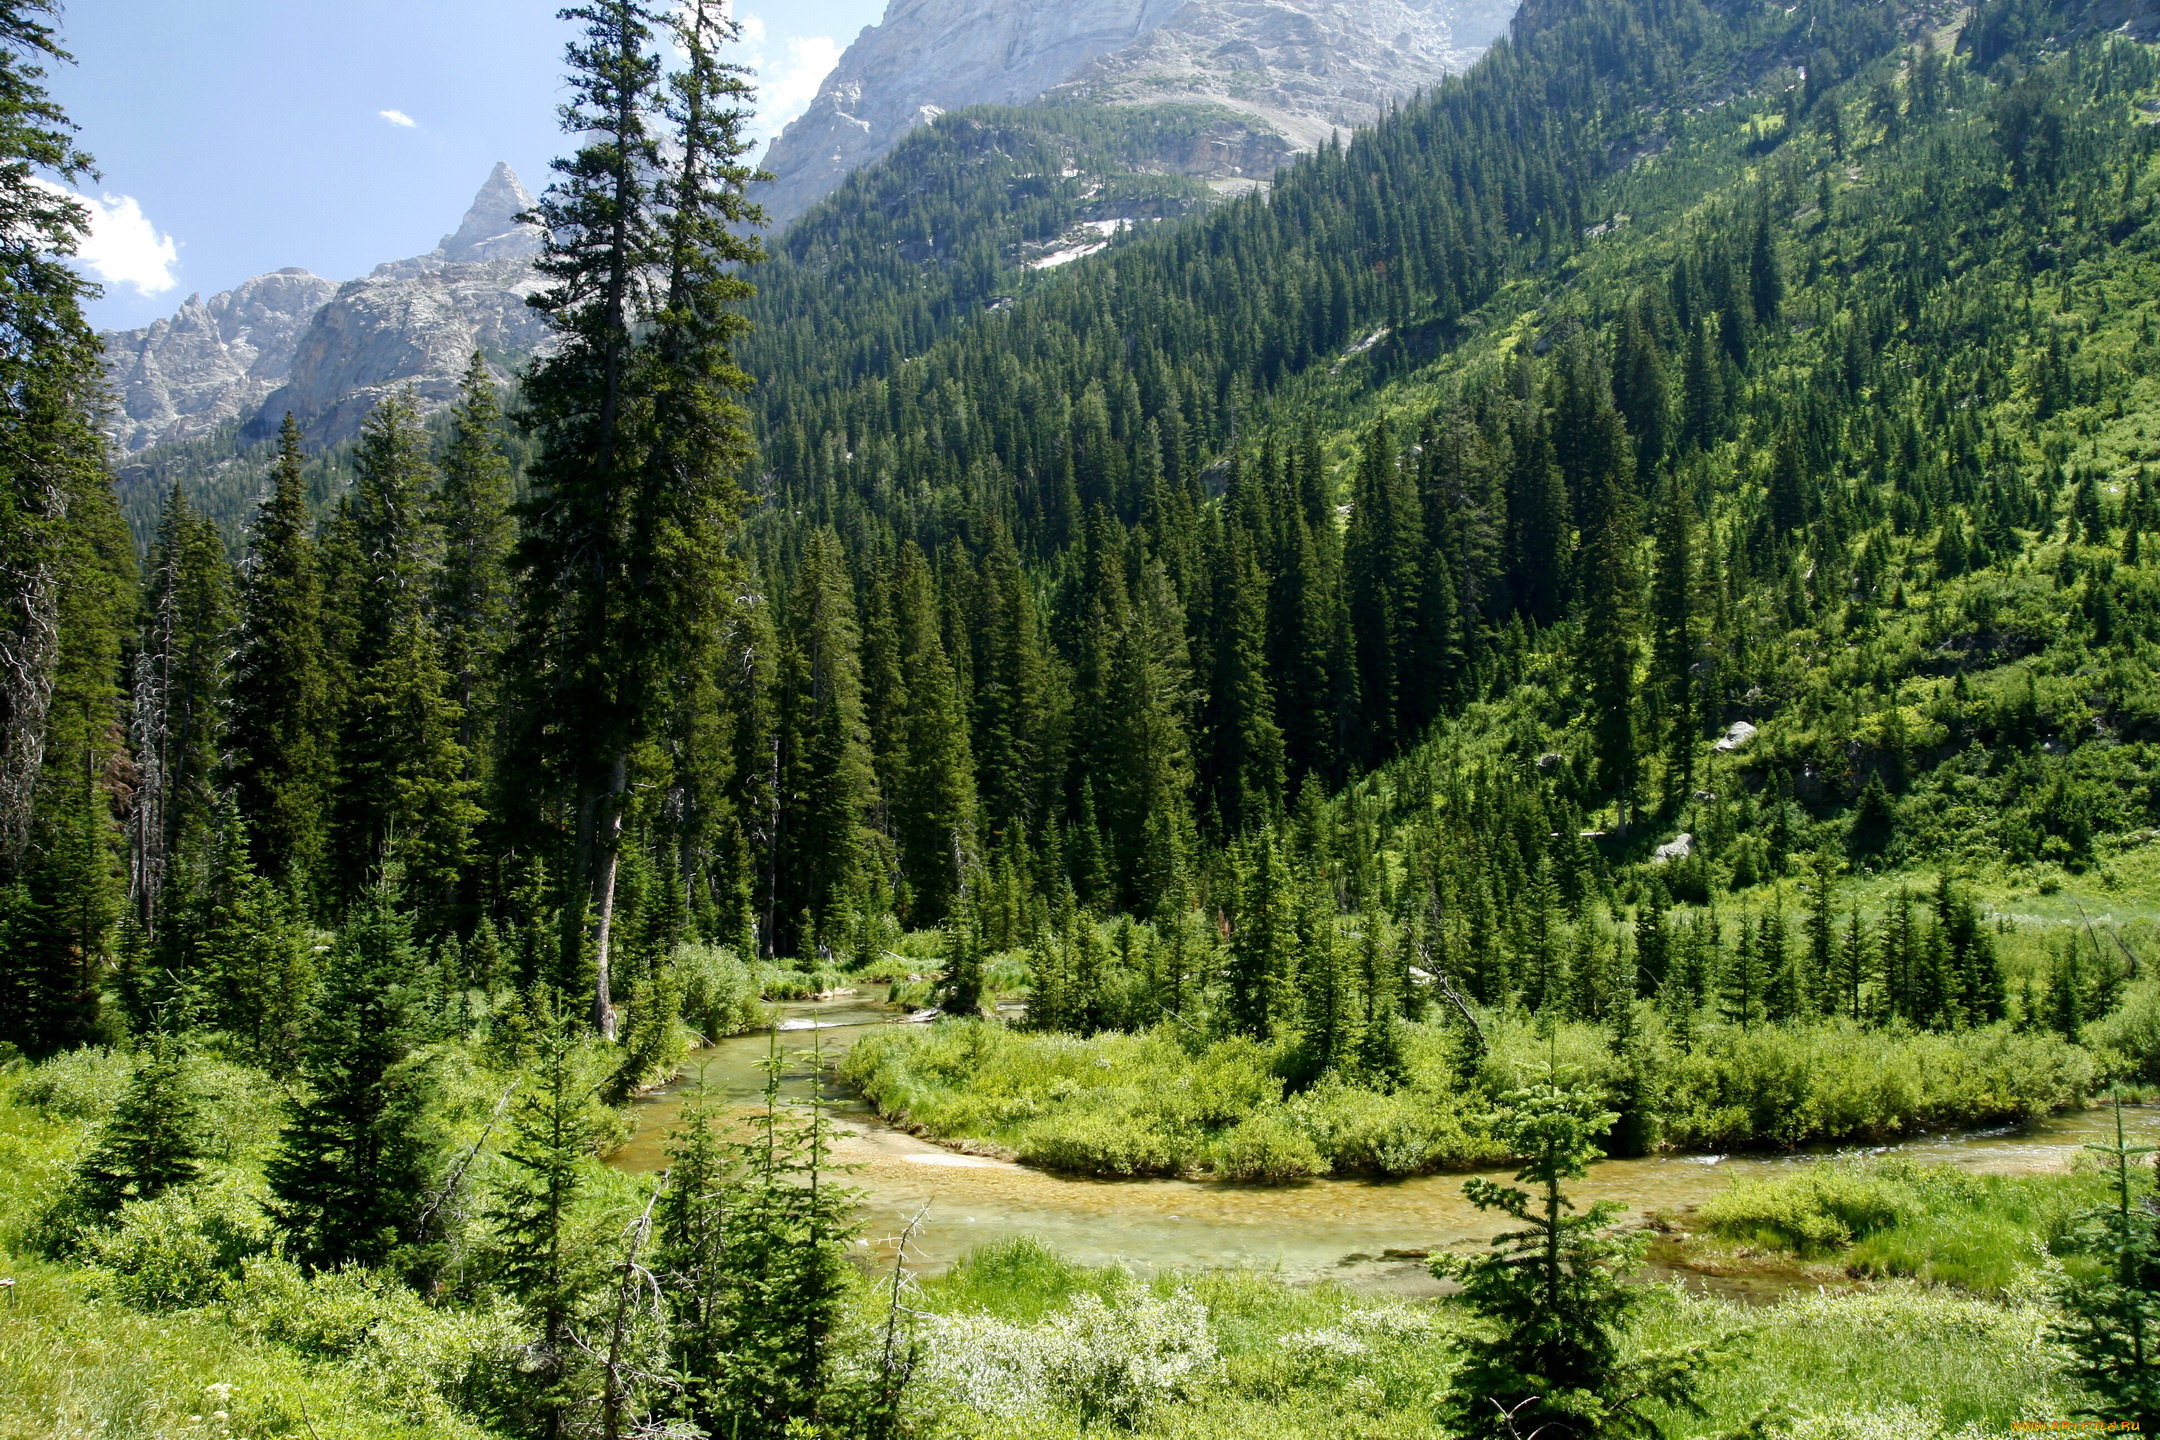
408	1355
1833	1081
1267	1149
1414	1131
719	992
2127	1041
185	1248
782	982
1814	1211
1096	1360
77	1084
1102	1142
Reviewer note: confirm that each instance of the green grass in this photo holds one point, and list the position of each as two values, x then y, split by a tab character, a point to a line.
341	1358
1899	1361
1980	1233
1021	1281
1322	1362
1158	1103
74	1363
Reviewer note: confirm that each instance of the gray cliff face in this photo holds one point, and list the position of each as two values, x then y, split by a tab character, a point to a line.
1298	68
417	322
929	56
1305	68
213	361
391	332
327	352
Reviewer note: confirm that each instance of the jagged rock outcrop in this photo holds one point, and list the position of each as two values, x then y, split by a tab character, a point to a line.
210	362
386	333
1306	68
327	352
1299	68
417	322
929	56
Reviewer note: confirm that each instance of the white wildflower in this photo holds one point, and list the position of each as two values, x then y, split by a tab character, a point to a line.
1096	1359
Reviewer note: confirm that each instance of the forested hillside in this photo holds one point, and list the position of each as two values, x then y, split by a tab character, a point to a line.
1390	546
1636	569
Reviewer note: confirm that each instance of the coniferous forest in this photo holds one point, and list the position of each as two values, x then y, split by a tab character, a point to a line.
1612	616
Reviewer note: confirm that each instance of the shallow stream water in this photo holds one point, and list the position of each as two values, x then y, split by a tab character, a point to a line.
1371	1234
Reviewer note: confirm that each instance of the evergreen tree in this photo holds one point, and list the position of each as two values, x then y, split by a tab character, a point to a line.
1263	964
281	729
56	497
1329	1034
783	1278
403	796
1540	524
399	546
1639	389
691	1255
1675	632
56	921
623	557
360	1145
1749	978
1243	767
181	695
155	1139
1555	1296
1015	744
1611	599
960	990
822	845
1874	820
1383	590
1702	389
247	967
402	788
934	798
1823	992
1144	776
550	1264
471	604
2110	1319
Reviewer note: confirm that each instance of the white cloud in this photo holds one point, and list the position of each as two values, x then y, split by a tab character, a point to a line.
786	87
123	247
398	118
789	70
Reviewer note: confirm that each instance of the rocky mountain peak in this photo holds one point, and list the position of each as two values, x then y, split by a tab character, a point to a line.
327	352
491	230
1297	69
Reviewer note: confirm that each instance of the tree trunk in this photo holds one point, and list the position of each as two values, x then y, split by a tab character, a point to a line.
29	651
579	886
608	841
613	1397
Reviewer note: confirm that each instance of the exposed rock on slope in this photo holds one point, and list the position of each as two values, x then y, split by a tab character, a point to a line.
327	352
1298	67
211	362
929	56
1304	67
417	322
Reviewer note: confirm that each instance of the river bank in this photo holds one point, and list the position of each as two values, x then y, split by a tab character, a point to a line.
1369	1234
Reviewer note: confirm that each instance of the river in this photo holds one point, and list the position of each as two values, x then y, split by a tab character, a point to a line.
1370	1234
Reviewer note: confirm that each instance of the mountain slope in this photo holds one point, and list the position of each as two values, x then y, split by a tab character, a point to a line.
1295	68
292	340
211	362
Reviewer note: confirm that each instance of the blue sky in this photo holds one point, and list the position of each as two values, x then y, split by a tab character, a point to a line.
239	136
